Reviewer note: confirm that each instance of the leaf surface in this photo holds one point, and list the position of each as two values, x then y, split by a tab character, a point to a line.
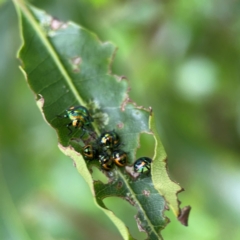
66	65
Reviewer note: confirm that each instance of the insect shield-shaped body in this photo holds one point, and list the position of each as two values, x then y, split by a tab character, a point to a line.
90	152
142	164
80	118
119	157
105	161
109	140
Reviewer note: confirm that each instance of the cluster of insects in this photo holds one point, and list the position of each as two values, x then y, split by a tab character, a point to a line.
106	148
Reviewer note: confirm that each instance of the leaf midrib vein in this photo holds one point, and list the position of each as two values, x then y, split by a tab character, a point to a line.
136	200
50	49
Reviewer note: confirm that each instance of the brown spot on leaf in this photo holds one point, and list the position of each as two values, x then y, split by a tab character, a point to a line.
130	171
128	100
74	164
120	78
166	207
130	200
75	62
124	103
151	111
120	125
119	185
183	217
56	24
140	228
146	193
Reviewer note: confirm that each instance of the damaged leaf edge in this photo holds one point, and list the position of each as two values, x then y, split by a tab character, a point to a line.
83	170
160	157
126	101
69	150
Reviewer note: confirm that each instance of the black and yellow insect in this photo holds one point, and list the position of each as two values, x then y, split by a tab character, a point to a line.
142	164
119	157
105	161
109	140
80	118
90	152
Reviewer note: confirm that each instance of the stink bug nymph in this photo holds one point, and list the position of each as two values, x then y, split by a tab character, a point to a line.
89	152
105	161
109	140
80	118
142	164
119	157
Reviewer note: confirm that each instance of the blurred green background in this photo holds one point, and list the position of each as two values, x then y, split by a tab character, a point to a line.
183	59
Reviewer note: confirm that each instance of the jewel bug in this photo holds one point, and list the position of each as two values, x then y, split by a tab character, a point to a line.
142	164
119	157
80	118
90	152
109	140
105	161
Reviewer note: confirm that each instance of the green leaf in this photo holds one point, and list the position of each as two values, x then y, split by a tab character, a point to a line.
165	186
66	65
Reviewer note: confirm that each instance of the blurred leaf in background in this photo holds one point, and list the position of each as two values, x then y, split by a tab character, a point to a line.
182	58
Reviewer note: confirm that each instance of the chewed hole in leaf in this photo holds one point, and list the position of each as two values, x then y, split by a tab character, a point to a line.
71	68
98	175
126	213
147	144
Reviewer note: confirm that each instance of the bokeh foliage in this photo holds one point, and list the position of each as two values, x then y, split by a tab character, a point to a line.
181	58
